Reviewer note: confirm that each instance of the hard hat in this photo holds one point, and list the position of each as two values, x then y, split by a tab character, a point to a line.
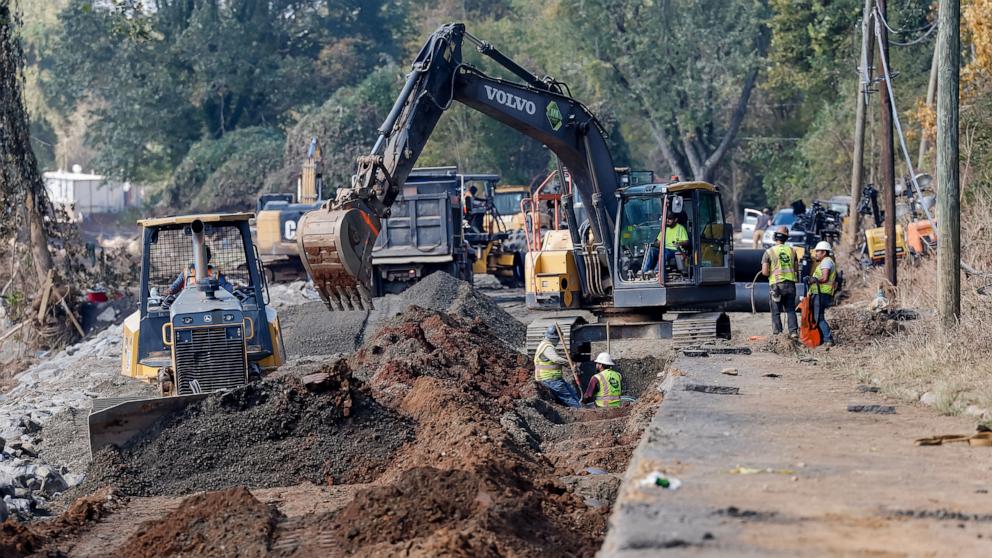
605	359
551	333
823	245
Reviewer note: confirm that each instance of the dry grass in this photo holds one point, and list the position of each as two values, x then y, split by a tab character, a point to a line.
953	366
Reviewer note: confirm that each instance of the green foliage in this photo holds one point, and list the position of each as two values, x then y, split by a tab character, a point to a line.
167	75
674	67
225	173
812	43
346	125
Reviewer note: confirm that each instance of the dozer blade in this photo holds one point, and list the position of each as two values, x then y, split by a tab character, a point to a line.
336	247
116	421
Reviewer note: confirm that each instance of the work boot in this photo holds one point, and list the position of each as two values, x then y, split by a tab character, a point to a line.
793	335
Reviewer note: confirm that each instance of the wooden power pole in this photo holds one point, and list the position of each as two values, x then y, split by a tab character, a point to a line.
948	174
864	84
888	163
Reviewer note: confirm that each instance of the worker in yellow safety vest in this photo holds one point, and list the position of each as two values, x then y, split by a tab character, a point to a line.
781	265
676	245
605	386
822	287
547	369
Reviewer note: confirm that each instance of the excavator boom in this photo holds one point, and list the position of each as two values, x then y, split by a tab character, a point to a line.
336	240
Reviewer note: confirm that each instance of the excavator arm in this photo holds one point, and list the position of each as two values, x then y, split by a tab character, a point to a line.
336	240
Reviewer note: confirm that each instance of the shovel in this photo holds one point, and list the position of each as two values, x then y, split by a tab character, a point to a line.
568	356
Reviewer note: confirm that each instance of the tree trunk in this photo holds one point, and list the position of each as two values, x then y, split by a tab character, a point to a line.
948	171
20	181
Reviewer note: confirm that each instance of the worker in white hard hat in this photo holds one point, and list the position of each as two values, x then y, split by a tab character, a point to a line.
822	286
605	387
780	264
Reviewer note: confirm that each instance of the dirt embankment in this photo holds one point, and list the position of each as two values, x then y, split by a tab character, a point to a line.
466	457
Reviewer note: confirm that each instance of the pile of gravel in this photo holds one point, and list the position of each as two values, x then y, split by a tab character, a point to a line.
265	434
310	329
444	293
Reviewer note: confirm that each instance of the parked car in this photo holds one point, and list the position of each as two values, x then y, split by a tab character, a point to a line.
747	225
785	217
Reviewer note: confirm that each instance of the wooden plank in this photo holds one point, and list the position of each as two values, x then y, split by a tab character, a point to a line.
46	292
72	318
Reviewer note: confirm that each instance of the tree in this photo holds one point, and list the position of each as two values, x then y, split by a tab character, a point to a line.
21	184
683	69
198	69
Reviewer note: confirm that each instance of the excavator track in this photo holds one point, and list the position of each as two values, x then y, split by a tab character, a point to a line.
336	245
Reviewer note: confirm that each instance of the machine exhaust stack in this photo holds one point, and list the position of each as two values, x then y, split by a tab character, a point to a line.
199	254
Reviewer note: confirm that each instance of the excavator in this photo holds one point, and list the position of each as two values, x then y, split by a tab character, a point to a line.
602	268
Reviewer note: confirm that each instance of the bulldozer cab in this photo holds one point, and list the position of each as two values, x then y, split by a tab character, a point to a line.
167	270
673	246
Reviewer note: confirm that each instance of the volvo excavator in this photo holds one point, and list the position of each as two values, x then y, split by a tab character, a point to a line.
601	213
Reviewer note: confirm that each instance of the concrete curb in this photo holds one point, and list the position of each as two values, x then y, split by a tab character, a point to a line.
649	520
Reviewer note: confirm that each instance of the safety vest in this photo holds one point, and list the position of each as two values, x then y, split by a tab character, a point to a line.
544	369
608	388
674	236
212	273
824	287
782	263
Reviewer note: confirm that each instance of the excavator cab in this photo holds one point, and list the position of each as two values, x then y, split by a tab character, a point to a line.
673	246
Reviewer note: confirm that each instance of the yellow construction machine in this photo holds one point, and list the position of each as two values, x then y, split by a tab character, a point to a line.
606	273
278	214
203	322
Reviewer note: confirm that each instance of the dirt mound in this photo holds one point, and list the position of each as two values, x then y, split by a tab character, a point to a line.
856	326
423	342
17	539
43	538
225	523
310	329
441	291
275	433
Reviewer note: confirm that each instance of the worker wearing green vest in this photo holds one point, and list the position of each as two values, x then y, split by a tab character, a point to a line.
822	287
781	265
676	245
604	387
547	369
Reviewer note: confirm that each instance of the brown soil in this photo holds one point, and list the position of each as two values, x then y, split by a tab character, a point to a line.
225	523
490	466
42	538
428	343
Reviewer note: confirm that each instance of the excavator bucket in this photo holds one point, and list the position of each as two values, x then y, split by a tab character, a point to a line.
336	246
115	421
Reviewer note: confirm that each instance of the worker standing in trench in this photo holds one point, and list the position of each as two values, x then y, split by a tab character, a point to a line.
822	284
547	369
781	265
605	387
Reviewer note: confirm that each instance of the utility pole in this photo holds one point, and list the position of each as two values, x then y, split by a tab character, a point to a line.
948	172
888	163
864	85
931	93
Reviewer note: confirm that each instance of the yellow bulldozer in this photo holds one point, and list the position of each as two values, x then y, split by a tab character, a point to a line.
203	322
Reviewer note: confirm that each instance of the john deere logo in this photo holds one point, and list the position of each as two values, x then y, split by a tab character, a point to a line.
554	115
